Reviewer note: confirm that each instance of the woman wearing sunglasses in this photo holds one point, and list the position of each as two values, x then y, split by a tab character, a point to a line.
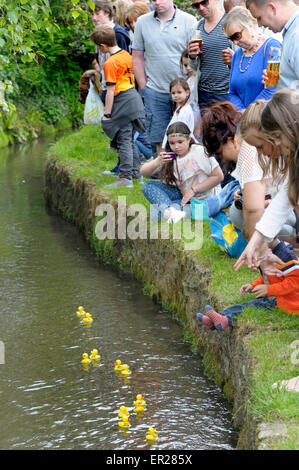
249	60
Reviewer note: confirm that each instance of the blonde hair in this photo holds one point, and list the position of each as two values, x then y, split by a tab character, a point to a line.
136	10
239	15
103	34
252	120
120	8
282	113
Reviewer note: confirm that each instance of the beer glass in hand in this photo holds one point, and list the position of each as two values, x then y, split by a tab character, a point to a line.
195	43
273	67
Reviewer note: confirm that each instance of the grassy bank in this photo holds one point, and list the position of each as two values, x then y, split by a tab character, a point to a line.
269	336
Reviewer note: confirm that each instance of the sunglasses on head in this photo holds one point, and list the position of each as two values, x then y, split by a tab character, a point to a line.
196	5
236	36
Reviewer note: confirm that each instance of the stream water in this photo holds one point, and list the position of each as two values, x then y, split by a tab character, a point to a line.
48	400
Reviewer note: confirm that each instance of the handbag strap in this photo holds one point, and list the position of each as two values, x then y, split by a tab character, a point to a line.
179	176
297	226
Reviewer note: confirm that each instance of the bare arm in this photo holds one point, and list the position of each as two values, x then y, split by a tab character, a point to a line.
148	169
253	204
109	99
210	182
138	68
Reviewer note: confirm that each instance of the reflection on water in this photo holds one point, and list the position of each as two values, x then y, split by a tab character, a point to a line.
47	398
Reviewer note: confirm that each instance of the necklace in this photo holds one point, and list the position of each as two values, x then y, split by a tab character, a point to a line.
250	58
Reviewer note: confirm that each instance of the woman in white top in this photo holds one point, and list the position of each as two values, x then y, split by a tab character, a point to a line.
221	135
278	135
185	174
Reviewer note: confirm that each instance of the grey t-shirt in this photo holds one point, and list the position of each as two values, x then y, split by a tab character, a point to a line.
163	45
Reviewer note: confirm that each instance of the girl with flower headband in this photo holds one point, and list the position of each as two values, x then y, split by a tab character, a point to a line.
186	172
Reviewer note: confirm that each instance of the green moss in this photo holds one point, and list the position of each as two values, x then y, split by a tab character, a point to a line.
229	390
211	367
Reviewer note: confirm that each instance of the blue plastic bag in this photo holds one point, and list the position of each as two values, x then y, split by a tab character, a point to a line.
225	234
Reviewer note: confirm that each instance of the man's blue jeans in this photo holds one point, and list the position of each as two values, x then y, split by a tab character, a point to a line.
158	113
265	303
205	99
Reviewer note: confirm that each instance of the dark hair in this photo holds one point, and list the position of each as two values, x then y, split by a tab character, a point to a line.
184	55
175	128
184	84
104	5
219	122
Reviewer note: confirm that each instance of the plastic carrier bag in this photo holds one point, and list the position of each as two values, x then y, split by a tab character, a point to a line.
94	108
225	234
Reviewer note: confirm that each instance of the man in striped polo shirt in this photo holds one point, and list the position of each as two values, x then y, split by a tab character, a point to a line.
212	73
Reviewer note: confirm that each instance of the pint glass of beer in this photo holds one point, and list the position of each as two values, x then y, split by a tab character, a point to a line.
273	66
197	39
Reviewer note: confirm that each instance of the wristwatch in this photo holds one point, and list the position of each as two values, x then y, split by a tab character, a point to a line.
108	115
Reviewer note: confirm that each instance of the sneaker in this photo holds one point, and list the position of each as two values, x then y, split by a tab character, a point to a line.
121	182
109	172
175	215
139	179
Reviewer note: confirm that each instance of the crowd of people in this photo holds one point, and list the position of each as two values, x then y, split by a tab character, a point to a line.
195	102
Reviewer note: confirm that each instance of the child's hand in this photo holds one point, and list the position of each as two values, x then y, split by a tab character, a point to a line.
260	290
237	195
188	195
246	288
165	158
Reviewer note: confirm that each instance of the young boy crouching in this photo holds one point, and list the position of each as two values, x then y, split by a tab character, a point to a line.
124	110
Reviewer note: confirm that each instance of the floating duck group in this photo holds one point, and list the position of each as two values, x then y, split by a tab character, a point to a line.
84	316
124	415
93	358
122	370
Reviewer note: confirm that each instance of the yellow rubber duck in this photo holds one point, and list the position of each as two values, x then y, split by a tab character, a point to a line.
152	435
125	370
123	412
139	401
87	319
139	409
94	356
85	361
118	365
80	312
125	423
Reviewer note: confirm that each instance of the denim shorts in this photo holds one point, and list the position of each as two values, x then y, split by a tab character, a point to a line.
158	113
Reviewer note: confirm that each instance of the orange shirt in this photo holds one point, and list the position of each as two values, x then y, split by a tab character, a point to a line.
118	71
284	287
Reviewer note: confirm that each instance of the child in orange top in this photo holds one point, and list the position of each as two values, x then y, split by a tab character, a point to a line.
124	111
282	292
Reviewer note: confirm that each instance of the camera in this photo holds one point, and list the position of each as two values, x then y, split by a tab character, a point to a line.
172	155
239	204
